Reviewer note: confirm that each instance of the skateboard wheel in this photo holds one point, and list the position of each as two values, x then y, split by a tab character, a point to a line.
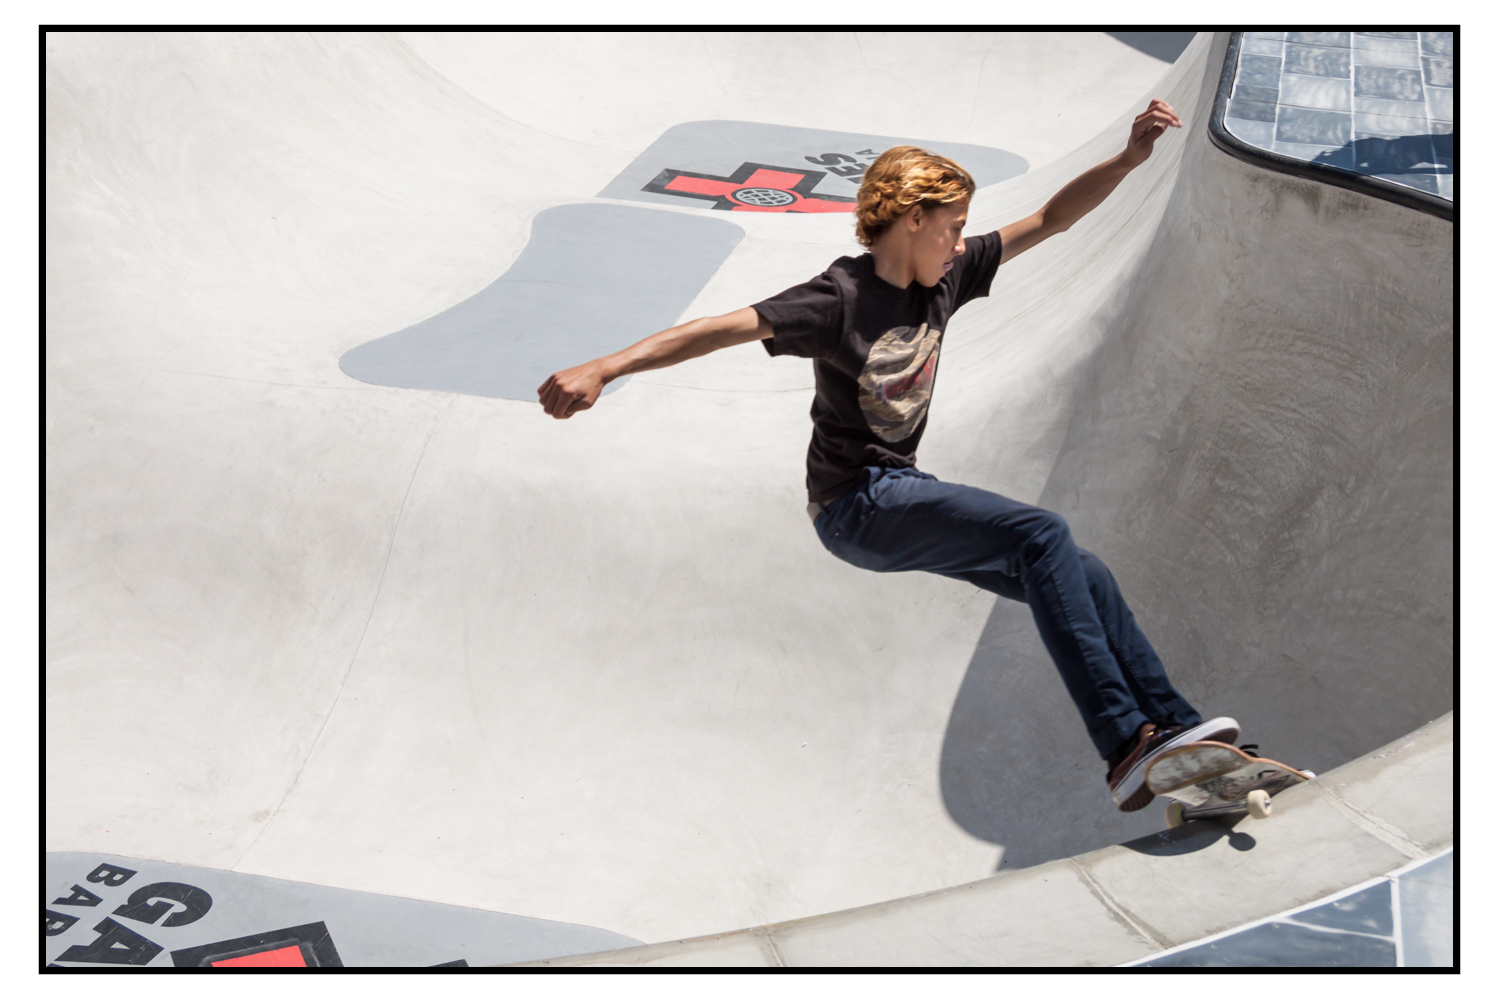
1259	802
1174	815
1309	775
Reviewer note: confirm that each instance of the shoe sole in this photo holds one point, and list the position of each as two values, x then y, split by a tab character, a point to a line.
1220	730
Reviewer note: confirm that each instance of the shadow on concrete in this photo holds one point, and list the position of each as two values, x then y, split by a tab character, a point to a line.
1265	466
1017	768
1191	838
1163	45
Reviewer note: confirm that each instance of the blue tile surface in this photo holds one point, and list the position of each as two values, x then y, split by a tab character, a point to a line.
1374	102
1365	912
1422	182
1265	95
1280	945
1339	38
1315	92
1259	71
1440	104
1426	924
1264	46
1366	124
1438	871
1260	134
1321	127
1398	109
1252	111
1438	43
1399	58
1388	82
1370	40
1402	919
1427	913
1317	60
1334	156
1437	71
1405	154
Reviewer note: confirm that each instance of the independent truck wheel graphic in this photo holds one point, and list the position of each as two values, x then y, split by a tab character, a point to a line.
763	197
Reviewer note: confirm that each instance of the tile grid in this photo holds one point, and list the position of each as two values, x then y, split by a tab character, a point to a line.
1377	103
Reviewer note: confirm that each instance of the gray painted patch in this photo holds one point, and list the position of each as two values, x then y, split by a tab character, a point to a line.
1366	912
1279	945
831	161
229	908
592	279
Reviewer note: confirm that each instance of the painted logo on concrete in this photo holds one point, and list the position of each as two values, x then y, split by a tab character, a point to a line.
756	167
100	912
596	278
754	187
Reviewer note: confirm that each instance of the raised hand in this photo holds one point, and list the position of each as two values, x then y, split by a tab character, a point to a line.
1149	125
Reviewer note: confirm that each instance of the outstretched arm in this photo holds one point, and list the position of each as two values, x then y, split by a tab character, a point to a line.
1084	193
568	392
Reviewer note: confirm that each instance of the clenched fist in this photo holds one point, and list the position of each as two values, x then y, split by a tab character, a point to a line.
572	390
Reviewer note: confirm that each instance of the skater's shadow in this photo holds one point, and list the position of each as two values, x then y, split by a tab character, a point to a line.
1192	838
1017	768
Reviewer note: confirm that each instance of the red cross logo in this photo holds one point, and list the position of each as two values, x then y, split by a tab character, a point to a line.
754	187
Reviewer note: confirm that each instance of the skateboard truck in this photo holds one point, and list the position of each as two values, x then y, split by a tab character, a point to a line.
1208	779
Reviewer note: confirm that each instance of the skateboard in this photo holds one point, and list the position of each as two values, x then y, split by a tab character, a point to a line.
1210	779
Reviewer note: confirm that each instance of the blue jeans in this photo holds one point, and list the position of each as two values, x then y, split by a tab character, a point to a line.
902	519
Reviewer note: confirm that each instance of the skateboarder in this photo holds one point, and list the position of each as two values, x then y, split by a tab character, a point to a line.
873	325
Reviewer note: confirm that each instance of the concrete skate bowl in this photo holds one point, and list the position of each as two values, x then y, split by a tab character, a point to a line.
430	644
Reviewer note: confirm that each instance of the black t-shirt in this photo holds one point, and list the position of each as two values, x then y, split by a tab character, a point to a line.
875	353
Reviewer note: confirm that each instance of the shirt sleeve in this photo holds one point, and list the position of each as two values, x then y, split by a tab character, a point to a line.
805	319
977	266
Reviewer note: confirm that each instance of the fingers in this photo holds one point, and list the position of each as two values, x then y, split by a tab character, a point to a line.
555	402
1159	120
561	402
1161	111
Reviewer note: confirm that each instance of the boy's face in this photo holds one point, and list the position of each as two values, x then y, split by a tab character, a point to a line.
937	237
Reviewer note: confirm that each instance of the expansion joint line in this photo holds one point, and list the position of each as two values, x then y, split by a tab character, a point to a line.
1375	827
358	646
775	951
1119	912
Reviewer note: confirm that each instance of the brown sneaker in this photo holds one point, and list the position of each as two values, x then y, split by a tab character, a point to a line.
1127	782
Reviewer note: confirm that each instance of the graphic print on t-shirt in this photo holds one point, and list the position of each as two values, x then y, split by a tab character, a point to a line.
896	383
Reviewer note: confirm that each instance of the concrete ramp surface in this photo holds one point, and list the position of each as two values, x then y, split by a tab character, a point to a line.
430	644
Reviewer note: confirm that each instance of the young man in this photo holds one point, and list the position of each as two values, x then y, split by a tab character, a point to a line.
874	326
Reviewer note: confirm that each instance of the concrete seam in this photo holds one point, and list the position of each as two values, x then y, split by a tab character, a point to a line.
354	658
775	951
1116	909
1375	827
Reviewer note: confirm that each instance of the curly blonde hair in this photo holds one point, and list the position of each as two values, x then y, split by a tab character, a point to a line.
902	177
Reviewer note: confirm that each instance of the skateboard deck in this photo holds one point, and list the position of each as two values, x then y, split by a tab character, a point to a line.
1215	779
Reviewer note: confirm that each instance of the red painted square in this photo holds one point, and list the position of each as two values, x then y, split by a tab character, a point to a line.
290	955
